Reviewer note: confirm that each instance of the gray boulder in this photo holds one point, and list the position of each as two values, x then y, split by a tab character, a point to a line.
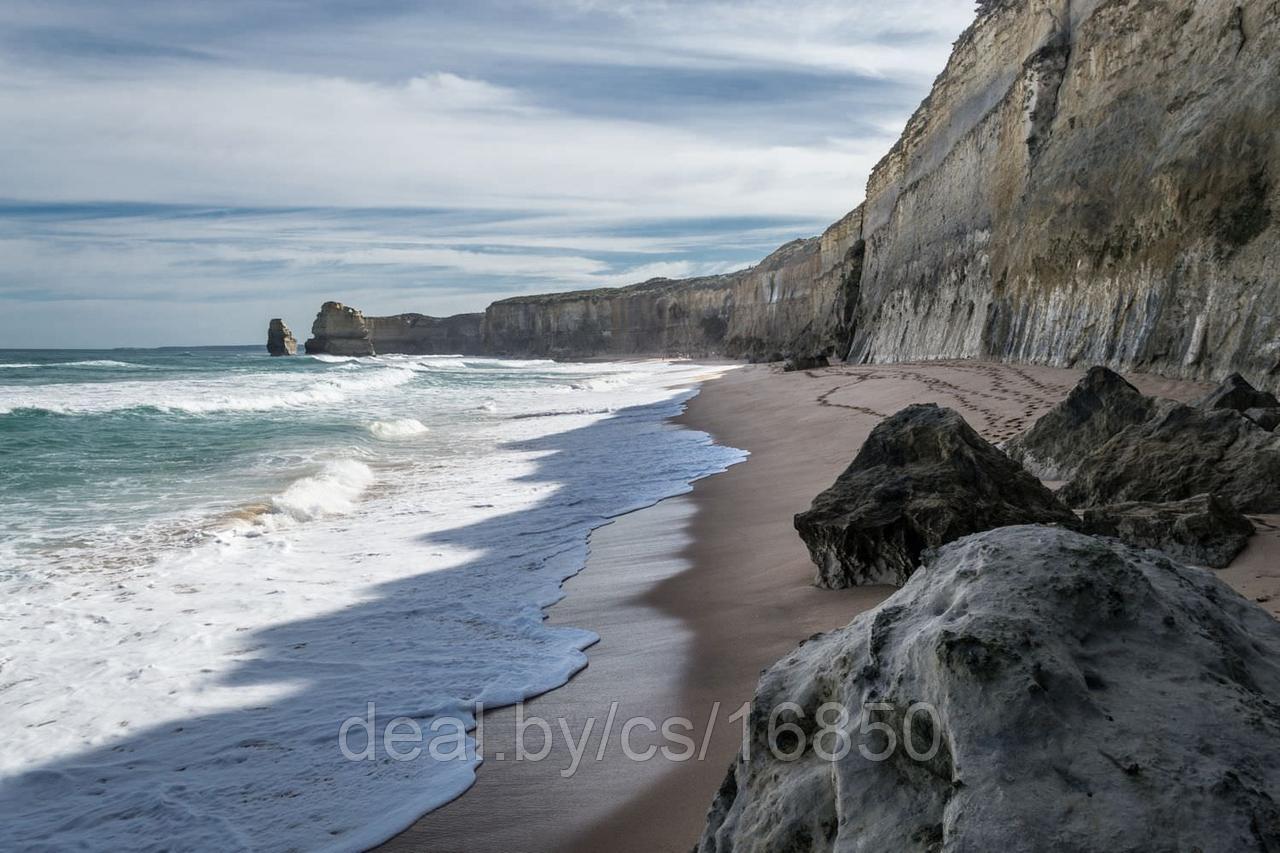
1204	530
923	478
1078	694
1237	394
1184	452
280	341
1099	407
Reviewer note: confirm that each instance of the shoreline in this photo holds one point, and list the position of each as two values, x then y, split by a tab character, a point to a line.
694	596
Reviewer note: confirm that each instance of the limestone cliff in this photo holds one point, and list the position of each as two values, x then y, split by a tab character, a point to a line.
791	303
341	330
1089	181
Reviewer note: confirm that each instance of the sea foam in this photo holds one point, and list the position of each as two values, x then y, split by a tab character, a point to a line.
331	491
193	700
399	428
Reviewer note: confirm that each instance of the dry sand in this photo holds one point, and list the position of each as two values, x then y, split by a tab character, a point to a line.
693	597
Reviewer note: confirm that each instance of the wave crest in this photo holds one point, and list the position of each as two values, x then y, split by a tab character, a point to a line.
400	428
331	491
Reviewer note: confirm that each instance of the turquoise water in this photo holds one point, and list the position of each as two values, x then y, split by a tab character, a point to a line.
209	559
99	443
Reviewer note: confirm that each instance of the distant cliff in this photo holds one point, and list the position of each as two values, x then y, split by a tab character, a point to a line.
1089	181
792	302
342	330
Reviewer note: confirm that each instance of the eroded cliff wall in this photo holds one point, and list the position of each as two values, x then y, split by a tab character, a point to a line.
1090	181
793	302
342	330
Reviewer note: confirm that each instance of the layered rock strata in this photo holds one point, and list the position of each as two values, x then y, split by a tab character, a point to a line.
1045	690
1089	180
923	478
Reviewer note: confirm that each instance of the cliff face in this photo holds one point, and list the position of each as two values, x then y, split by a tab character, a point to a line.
793	302
341	330
1090	180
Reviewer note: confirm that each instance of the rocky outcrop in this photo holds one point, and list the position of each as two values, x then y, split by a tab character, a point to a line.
1100	406
923	478
1235	393
796	302
341	330
1202	531
280	341
1089	180
1044	690
418	334
1183	452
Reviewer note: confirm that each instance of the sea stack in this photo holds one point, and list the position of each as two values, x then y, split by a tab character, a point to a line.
280	341
340	330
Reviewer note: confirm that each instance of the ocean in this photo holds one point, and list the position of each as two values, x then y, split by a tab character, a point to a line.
210	559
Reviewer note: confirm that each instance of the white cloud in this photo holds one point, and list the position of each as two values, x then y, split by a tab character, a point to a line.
238	137
351	111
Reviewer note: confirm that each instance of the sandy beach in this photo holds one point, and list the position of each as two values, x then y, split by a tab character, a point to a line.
693	597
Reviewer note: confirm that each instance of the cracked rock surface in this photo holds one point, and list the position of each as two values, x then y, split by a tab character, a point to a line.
1087	696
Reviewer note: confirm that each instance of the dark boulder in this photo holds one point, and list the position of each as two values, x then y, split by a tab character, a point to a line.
1237	394
1204	530
923	478
1186	451
1099	407
1268	419
805	362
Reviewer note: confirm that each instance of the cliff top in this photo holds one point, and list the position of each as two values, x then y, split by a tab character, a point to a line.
784	255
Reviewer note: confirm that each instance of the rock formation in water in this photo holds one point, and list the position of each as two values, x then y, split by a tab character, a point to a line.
1100	406
923	478
280	341
1201	531
341	330
1183	452
1081	695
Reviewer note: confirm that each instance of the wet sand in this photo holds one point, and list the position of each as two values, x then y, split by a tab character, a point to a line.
693	597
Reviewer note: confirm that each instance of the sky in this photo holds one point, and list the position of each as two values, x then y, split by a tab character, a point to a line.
178	173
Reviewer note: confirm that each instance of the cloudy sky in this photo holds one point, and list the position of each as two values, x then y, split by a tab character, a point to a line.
178	172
